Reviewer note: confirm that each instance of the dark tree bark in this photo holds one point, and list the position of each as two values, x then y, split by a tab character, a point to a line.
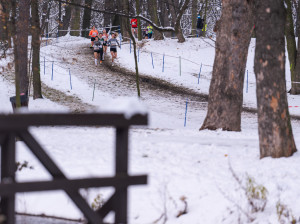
86	21
138	11
75	21
46	6
174	11
290	40
127	27
59	18
152	6
274	126
296	84
226	87
194	17
35	32
108	5
3	20
22	44
66	19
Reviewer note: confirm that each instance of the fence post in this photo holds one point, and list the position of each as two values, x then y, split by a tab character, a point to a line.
152	60
94	91
180	65
8	169
70	79
163	68
247	83
186	106
44	65
199	74
130	46
52	71
121	161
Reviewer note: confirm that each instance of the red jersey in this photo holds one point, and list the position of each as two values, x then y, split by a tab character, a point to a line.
133	23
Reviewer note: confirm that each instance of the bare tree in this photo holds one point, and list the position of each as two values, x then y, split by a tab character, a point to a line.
274	126
226	87
36	43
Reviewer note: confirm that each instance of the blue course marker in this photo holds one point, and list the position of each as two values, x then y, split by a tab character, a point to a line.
186	106
138	54
247	83
130	46
52	71
199	74
70	79
152	60
163	68
44	65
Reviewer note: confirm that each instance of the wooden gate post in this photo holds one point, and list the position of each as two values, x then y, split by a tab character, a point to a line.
8	169
121	170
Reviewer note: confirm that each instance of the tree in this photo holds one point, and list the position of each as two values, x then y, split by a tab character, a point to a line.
152	6
138	11
75	21
35	43
86	21
194	17
66	18
22	31
296	80
226	88
274	126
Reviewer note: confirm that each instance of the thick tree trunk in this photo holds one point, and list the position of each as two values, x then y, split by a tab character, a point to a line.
22	44
108	5
226	87
66	19
86	21
178	31
59	19
35	32
205	15
296	82
75	22
138	11
274	126
194	17
152	6
290	40
3	20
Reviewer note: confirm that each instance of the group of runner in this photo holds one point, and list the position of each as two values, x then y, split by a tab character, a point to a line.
100	41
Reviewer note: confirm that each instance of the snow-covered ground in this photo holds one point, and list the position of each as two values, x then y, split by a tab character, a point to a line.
181	162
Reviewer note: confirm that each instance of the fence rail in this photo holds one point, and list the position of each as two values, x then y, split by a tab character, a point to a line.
17	125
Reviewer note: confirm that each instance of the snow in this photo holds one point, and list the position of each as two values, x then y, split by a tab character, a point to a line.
178	161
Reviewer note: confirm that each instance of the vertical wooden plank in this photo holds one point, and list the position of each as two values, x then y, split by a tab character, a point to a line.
120	204
8	168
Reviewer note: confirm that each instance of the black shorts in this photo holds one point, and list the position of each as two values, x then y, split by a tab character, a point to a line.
113	49
104	44
98	51
92	38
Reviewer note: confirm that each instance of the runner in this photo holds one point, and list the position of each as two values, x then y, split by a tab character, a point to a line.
93	33
105	38
113	42
97	50
150	31
101	40
134	26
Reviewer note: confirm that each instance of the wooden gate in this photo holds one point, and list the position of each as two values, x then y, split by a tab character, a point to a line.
17	125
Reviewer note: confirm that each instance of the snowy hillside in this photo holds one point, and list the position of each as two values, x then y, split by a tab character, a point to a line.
205	170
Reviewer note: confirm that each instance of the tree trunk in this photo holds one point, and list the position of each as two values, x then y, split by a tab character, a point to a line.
75	22
177	25
59	19
22	44
108	5
127	27
152	6
296	84
194	17
86	21
35	32
138	11
226	87
205	15
66	19
290	40
3	20
274	126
